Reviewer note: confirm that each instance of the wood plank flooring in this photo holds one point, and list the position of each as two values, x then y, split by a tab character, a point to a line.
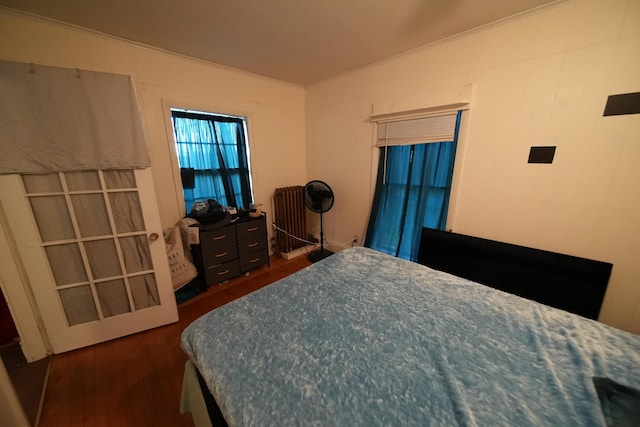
136	380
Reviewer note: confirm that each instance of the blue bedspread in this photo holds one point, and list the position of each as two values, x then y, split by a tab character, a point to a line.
364	339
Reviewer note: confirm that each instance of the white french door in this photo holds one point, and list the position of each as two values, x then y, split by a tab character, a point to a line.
92	247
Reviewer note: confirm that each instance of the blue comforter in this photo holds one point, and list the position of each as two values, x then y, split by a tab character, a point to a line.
365	339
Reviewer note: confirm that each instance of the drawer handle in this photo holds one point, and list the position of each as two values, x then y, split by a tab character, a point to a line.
252	229
221	255
222	273
251	245
254	260
220	237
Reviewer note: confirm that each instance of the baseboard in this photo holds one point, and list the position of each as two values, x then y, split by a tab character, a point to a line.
300	251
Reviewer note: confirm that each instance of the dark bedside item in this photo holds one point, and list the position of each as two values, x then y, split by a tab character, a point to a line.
232	250
567	282
620	403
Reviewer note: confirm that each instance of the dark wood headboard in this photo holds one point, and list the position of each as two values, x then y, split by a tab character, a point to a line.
567	282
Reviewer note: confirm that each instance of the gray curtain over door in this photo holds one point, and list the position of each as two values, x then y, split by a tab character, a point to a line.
60	119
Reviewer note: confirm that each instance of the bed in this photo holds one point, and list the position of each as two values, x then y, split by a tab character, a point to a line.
363	338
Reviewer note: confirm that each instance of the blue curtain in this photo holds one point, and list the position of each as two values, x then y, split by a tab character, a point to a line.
215	148
412	191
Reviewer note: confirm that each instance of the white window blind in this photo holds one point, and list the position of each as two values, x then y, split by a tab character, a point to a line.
440	128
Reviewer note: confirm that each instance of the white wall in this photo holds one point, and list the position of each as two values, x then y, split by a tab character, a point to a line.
539	79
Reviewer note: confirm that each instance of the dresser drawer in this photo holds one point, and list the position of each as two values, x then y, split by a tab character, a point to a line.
254	260
251	229
215	238
219	254
248	246
220	273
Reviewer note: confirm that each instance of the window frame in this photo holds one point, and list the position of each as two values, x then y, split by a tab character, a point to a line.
440	126
179	206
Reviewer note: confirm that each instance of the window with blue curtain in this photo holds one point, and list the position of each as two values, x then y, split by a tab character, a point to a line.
412	189
213	158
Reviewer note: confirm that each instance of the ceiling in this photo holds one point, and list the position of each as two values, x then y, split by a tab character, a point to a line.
300	41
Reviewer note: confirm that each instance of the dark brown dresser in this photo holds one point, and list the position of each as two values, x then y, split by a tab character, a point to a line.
232	250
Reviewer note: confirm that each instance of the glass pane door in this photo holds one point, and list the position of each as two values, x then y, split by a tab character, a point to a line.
97	248
90	245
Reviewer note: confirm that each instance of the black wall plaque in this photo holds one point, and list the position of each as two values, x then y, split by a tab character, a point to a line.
627	103
541	154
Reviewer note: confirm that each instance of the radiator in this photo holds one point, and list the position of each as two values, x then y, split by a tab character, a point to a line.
290	216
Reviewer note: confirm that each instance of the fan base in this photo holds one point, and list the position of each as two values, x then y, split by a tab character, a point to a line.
319	255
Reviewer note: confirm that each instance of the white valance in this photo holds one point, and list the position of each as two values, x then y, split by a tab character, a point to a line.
418	125
417	131
60	119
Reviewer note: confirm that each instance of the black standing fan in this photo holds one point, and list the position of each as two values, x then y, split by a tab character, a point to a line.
318	197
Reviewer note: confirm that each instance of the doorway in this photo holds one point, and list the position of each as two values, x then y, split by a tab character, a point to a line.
29	380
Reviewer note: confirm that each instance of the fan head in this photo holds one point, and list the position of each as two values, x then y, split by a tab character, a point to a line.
318	196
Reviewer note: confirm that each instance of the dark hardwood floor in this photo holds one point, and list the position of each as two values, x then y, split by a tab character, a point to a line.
136	380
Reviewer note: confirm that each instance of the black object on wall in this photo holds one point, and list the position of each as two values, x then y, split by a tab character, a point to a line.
563	281
188	178
541	154
626	103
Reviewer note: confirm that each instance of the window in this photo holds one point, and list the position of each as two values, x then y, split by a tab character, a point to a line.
213	155
414	182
